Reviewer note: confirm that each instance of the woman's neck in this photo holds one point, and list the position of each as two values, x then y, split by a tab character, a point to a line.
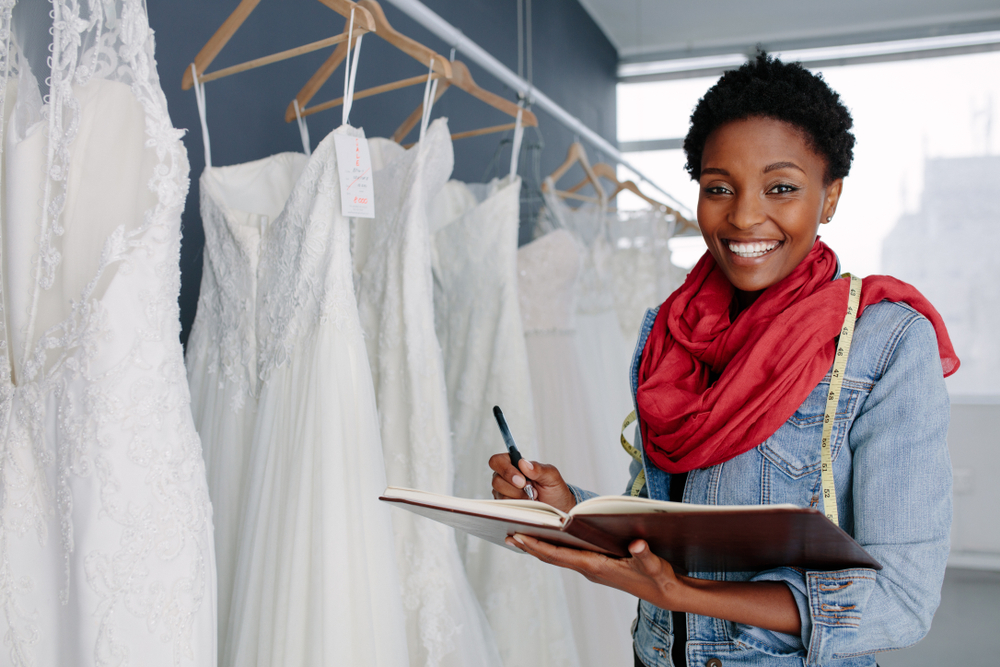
741	301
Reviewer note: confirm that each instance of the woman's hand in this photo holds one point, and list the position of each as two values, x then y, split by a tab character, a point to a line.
764	604
509	482
644	575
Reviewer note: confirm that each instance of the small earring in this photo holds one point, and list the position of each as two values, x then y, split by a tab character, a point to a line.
829	218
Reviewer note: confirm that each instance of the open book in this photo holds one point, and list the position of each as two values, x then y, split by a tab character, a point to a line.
693	538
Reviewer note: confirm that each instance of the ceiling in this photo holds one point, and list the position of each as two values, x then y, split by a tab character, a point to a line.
645	30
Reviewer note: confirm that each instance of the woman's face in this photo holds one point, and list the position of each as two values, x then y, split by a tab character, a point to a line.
762	200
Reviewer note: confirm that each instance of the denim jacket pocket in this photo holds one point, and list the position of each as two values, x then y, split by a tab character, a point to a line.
785	450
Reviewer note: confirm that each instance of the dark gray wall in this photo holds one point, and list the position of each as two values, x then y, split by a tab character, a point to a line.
574	64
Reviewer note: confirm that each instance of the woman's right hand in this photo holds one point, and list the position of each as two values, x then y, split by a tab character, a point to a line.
509	482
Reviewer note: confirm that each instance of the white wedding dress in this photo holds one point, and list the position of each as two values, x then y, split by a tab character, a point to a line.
605	355
445	624
237	203
549	268
106	553
644	275
479	326
315	580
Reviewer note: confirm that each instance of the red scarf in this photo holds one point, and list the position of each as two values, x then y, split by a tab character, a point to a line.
767	361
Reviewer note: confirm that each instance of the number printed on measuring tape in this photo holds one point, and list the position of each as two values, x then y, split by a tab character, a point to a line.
833	397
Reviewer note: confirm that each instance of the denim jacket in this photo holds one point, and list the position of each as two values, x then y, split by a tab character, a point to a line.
893	479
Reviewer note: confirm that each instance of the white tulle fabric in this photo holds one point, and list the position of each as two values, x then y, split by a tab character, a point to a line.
315	579
237	203
549	269
445	624
106	553
643	273
486	364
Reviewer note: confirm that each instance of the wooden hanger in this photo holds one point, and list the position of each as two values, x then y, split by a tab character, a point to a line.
576	155
601	169
363	22
462	79
606	171
411	47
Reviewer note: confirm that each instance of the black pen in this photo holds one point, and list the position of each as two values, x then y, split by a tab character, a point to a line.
515	455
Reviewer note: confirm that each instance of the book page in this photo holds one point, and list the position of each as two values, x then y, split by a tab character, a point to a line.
630	505
530	511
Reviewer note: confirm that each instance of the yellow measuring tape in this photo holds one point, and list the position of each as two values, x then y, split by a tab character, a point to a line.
833	398
640	479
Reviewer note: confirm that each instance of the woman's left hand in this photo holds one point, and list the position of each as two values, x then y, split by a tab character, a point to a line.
764	604
644	575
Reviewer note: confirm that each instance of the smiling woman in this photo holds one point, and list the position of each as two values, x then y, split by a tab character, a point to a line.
731	379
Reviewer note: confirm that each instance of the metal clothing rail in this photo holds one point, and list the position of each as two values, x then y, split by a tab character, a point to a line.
454	37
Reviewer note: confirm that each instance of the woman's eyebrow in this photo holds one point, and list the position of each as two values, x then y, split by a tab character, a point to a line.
714	170
783	165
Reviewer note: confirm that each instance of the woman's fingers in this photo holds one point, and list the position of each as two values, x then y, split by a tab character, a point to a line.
644	561
552	554
500	463
509	482
549	484
595	567
644	575
502	489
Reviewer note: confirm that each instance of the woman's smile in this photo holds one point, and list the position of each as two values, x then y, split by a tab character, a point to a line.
751	249
764	194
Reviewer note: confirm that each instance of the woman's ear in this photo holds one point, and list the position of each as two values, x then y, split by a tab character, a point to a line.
830	201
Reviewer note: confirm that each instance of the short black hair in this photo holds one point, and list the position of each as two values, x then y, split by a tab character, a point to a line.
766	87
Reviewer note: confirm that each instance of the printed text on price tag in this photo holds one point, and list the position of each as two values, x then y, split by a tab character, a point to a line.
354	165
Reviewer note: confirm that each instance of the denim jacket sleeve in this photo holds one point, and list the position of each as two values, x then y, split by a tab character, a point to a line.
901	495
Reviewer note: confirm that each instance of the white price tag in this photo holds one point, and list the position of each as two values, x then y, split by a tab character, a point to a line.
354	164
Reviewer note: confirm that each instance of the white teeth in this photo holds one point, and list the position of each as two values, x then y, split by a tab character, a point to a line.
755	249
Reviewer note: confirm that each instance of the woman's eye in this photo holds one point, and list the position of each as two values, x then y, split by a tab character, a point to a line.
783	189
717	190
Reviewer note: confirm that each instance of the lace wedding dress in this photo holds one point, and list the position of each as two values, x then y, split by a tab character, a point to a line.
644	275
315	580
478	323
604	353
106	553
445	624
237	203
549	268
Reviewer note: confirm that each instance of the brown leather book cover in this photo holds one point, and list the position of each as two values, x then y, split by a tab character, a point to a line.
693	538
732	541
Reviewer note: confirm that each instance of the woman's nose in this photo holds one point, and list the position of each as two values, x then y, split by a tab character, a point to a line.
747	212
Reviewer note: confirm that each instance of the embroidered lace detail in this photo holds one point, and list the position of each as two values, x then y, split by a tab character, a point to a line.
222	337
548	269
589	225
98	446
10	70
303	285
643	273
